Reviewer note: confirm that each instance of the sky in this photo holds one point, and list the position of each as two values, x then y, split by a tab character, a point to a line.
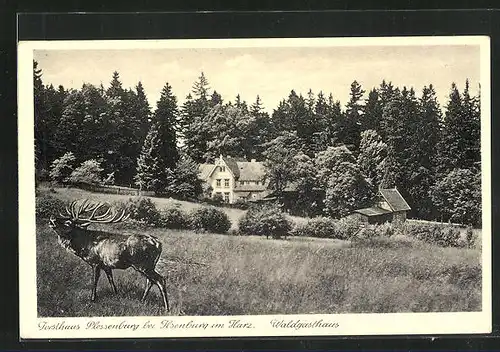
269	72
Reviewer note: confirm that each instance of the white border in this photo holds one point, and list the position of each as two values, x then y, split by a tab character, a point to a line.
349	324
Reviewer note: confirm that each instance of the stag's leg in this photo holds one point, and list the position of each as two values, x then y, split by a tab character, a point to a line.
109	274
149	284
97	274
159	280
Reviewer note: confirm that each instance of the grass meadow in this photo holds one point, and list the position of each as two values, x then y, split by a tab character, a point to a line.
253	275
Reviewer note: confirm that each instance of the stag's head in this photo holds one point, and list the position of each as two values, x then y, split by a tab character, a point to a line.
80	214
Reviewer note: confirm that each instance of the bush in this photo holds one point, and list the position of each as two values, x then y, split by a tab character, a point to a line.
174	218
143	209
265	221
348	227
241	204
470	238
61	168
384	230
321	227
217	198
440	235
47	205
89	172
209	219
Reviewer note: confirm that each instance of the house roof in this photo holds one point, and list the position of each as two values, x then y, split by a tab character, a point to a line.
394	199
242	169
249	188
233	166
372	211
251	171
243	194
205	170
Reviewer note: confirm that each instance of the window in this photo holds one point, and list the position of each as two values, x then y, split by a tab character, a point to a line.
242	183
218	183
226	196
257	183
222	169
226	183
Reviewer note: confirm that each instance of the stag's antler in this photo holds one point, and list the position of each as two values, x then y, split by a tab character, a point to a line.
74	213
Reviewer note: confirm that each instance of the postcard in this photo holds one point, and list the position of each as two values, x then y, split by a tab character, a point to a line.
254	187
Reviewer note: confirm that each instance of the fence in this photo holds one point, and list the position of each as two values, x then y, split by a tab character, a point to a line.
115	190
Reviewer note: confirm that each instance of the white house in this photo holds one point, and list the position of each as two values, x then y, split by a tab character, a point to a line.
235	178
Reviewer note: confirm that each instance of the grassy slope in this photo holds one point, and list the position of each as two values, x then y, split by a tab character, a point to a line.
249	275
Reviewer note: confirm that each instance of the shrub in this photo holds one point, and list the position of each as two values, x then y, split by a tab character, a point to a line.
174	218
209	219
348	227
241	204
89	172
217	198
321	227
384	230
265	221
62	168
440	235
143	210
470	238
47	205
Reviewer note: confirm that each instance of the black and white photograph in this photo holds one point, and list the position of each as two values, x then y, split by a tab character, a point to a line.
254	187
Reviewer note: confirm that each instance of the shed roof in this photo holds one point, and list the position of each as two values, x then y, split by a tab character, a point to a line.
394	199
372	211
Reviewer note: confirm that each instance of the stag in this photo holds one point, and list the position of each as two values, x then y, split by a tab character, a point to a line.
106	251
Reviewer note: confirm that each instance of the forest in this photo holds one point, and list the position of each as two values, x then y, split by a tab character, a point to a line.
385	136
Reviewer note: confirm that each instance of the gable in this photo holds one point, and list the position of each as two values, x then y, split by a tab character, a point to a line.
232	164
394	199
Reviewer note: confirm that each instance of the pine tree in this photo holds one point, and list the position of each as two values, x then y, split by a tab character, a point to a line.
215	99
351	126
123	147
150	171
166	118
201	88
186	183
426	135
372	112
84	127
193	116
452	148
259	131
471	129
428	129
387	94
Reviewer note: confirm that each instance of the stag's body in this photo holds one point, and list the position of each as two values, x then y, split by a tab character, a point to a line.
105	251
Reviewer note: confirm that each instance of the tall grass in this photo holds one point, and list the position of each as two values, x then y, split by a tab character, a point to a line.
252	275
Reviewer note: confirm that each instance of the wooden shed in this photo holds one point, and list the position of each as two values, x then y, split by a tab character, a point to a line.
389	206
